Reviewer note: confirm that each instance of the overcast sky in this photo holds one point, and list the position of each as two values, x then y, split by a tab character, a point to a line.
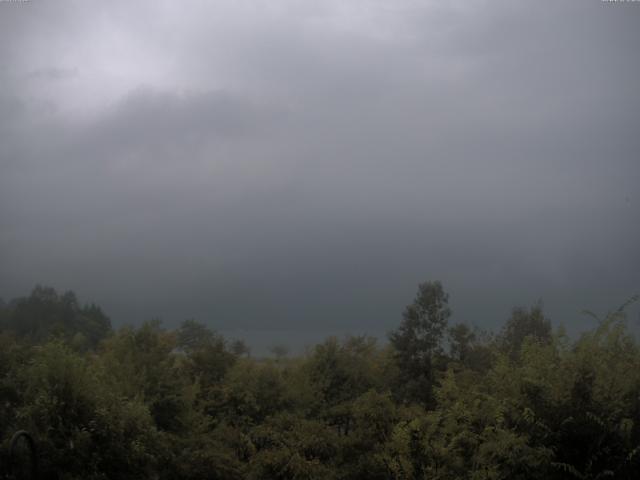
291	169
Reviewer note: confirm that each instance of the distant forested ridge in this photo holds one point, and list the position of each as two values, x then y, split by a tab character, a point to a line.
437	401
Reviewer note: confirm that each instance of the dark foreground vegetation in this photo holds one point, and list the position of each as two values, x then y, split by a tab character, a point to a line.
440	401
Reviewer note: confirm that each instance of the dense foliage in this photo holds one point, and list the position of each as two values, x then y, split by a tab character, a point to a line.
439	401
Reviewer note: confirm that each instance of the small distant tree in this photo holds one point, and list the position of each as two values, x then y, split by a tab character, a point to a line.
524	323
240	348
279	351
418	340
208	355
193	335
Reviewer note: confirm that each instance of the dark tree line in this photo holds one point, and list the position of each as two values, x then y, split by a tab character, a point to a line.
439	401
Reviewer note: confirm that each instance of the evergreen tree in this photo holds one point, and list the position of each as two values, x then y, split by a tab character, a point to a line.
417	342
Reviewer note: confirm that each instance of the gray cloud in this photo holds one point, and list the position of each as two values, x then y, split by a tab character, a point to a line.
52	74
292	167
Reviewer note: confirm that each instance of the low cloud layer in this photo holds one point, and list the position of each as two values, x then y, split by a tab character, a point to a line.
297	168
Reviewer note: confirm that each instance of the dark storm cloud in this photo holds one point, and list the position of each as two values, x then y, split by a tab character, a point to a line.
284	166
